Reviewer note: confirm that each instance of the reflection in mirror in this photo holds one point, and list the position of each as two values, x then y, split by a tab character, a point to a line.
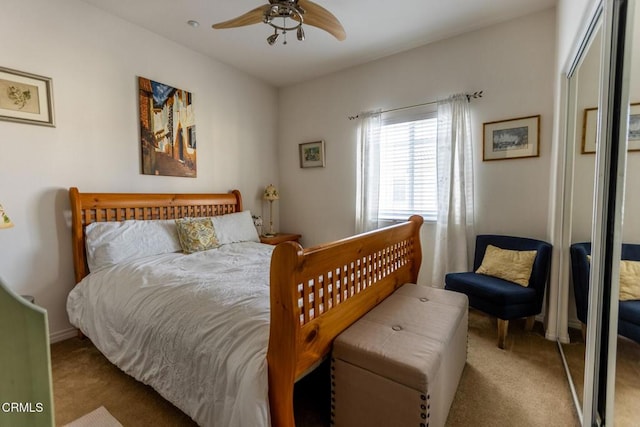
627	411
584	90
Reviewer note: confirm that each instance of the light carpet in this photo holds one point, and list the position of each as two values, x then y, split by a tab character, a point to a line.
523	385
97	418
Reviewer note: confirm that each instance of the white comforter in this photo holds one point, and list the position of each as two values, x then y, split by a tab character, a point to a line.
194	327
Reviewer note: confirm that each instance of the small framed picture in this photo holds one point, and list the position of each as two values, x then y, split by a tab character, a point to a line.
511	139
590	129
634	127
25	98
312	154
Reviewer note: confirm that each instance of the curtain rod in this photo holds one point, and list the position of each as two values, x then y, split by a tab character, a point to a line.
469	96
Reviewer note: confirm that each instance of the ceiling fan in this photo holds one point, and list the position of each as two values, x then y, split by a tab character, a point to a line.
299	11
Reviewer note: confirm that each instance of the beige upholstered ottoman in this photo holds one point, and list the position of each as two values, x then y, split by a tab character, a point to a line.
400	364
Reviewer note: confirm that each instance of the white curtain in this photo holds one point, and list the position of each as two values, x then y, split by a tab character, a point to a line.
454	228
368	176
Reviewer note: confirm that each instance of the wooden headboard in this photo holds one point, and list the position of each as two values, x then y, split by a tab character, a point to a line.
104	207
315	293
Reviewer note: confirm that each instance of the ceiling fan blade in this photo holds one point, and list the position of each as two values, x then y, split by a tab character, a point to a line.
252	17
317	16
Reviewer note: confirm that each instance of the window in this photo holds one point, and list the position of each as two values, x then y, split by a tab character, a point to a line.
408	166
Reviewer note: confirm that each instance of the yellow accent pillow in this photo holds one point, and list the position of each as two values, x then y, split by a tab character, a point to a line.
514	266
196	234
629	280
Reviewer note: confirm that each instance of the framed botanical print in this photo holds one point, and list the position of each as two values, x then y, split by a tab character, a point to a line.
25	97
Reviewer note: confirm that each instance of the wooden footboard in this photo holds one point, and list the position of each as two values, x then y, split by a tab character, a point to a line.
316	293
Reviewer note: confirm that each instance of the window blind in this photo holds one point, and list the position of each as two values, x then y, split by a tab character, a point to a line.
408	180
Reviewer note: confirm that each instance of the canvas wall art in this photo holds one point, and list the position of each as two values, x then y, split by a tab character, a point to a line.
167	130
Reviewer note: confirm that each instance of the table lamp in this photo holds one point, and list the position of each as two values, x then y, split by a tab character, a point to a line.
5	222
271	194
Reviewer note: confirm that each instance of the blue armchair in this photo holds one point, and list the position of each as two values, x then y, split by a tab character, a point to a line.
501	298
628	311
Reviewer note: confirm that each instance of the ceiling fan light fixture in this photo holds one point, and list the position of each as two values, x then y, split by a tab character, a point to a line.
298	11
272	38
272	11
286	10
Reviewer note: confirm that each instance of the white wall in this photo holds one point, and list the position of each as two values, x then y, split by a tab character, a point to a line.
94	59
512	62
571	18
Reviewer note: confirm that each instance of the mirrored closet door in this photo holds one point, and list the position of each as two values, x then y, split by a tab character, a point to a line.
594	196
627	384
583	94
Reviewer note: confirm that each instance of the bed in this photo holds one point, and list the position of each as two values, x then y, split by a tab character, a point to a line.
313	293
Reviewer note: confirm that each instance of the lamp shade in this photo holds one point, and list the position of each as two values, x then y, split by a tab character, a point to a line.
271	193
5	222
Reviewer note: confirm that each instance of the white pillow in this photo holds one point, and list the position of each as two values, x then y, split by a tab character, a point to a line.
109	243
235	227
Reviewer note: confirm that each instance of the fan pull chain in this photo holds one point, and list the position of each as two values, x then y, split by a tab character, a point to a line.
284	32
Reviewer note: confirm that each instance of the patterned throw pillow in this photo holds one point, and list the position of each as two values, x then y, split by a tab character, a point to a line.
196	234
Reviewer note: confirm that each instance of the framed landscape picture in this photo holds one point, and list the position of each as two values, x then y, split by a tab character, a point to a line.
634	127
25	98
590	129
312	154
511	139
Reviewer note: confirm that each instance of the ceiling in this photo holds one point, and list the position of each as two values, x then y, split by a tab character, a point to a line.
375	28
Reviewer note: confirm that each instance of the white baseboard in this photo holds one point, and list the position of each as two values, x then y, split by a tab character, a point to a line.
554	337
575	324
62	335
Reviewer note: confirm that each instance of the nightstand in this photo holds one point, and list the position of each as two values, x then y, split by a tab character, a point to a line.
279	238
